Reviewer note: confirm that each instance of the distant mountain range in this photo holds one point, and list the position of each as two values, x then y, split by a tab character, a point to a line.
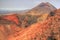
41	8
13	12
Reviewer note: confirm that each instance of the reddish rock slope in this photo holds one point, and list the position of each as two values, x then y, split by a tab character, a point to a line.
47	30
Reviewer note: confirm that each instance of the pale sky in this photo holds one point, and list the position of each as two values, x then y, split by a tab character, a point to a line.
24	4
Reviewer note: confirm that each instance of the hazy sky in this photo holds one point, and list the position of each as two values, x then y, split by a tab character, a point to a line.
25	4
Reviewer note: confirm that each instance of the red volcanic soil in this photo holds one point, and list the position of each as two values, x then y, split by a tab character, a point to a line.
12	17
32	32
46	30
